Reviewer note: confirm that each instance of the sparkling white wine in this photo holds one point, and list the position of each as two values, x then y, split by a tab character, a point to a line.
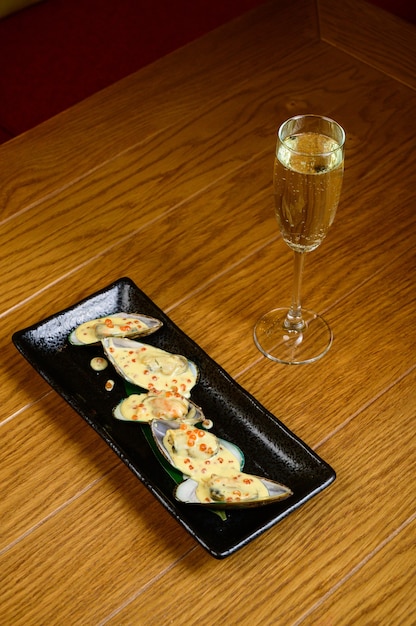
308	173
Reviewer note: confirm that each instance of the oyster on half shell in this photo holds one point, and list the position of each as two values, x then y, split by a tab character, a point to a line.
115	325
231	492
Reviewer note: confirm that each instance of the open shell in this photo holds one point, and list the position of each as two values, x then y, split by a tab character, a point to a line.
146	407
149	367
161	427
115	325
186	492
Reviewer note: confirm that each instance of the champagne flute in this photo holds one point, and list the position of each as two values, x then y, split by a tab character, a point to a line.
307	179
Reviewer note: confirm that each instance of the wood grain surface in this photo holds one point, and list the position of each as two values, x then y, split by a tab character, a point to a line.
165	177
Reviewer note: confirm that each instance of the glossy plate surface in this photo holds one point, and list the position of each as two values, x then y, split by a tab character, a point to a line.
270	449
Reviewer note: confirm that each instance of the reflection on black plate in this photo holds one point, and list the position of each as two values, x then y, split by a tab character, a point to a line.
270	449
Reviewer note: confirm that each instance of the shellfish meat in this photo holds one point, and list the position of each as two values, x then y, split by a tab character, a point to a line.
116	325
194	451
231	492
165	405
149	367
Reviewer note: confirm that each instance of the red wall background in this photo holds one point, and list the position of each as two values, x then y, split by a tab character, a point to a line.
58	52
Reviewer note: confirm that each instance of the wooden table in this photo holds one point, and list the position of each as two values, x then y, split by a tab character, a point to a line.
165	177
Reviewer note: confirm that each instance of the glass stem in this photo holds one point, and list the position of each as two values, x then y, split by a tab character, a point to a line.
294	320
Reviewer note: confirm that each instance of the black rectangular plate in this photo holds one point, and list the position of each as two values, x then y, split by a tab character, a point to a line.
270	448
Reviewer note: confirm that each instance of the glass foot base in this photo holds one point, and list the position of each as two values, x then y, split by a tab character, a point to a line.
292	347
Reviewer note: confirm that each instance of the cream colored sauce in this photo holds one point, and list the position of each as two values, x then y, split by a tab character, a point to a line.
146	407
232	487
152	368
110	326
199	454
98	363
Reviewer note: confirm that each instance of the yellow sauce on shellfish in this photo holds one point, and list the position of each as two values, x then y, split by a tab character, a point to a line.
145	407
150	367
109	326
231	487
199	454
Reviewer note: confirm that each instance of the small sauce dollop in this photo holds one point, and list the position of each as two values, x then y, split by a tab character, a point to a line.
151	368
98	364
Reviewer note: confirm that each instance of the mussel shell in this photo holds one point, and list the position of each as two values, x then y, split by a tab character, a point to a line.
152	323
185	493
125	343
194	415
160	427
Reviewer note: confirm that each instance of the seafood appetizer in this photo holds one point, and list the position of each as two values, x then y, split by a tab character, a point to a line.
213	468
237	490
164	405
194	451
149	367
117	325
